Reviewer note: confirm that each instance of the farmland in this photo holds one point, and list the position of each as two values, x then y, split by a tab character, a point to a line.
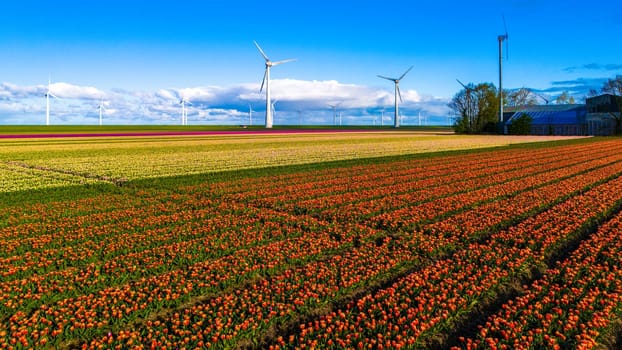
326	240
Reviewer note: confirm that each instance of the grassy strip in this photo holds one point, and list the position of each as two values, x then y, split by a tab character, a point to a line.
38	129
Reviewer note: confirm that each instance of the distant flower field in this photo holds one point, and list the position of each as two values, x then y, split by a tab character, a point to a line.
515	248
51	162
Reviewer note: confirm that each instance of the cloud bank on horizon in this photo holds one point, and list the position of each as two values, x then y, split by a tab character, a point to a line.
297	102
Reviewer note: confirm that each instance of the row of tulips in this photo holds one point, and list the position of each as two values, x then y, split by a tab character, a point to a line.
227	320
421	308
572	306
403	195
360	204
99	273
394	173
107	307
16	177
467	224
214	238
384	181
33	248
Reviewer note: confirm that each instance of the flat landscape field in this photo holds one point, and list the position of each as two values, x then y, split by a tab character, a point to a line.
362	239
30	163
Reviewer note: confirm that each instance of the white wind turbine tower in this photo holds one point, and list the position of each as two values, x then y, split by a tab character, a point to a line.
382	117
101	108
299	111
397	93
501	39
266	81
184	113
334	107
274	108
250	115
47	102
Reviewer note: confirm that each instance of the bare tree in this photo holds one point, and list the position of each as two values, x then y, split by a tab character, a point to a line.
563	98
520	97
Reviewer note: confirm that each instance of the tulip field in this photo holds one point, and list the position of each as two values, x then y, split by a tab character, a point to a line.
511	247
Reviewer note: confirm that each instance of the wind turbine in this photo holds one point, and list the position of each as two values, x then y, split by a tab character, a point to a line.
273	108
382	117
334	107
184	113
397	93
546	100
47	102
299	116
501	39
101	109
250	115
266	81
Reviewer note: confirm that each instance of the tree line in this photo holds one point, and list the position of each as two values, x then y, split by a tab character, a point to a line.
477	106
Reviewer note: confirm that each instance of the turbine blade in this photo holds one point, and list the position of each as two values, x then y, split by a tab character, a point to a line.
505	27
399	93
51	94
264	80
403	75
459	82
283	61
261	51
387	78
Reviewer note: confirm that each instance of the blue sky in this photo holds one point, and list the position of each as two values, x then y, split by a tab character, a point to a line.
140	57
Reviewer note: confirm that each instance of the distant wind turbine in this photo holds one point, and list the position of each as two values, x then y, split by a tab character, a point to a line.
334	107
101	108
47	101
184	113
382	117
274	108
299	111
397	93
250	115
266	81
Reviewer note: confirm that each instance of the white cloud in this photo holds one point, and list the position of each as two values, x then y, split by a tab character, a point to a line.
211	104
65	90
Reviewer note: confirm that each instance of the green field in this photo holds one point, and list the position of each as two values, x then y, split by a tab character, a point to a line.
36	129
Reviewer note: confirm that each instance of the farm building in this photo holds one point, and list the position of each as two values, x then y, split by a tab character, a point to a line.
602	112
596	117
564	119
